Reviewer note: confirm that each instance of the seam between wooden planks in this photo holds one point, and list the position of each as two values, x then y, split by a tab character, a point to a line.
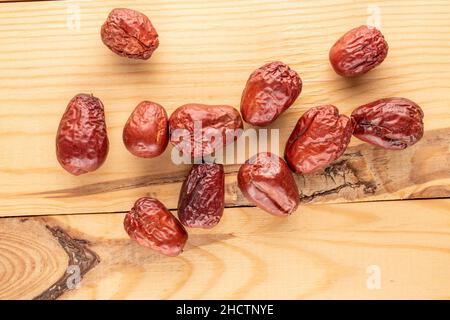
226	207
26	1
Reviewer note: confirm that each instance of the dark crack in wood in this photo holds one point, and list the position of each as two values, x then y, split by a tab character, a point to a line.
368	188
79	255
350	172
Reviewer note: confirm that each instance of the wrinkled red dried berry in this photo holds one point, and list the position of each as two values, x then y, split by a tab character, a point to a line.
146	132
391	123
202	196
81	141
269	91
200	130
129	33
358	51
153	226
320	137
266	181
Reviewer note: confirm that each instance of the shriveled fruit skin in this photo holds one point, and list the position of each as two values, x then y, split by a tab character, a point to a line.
211	120
270	90
358	51
266	181
390	123
82	141
202	196
129	33
146	133
320	137
153	226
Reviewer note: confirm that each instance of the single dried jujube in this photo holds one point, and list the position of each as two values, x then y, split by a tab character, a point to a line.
390	123
82	141
358	51
153	226
320	137
202	196
200	129
129	33
146	132
266	181
269	91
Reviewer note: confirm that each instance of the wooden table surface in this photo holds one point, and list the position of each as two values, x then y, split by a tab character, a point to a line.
375	224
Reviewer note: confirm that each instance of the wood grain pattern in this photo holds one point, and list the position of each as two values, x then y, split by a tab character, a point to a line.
207	52
363	173
322	251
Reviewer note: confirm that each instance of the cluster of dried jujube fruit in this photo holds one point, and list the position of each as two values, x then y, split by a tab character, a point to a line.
320	136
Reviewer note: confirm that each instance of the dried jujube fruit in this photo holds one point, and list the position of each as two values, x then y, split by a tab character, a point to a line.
269	91
199	129
266	181
320	137
81	141
153	226
202	196
146	132
390	123
358	51
129	33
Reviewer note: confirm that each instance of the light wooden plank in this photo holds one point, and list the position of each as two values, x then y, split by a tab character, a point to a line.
12	1
207	52
322	251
